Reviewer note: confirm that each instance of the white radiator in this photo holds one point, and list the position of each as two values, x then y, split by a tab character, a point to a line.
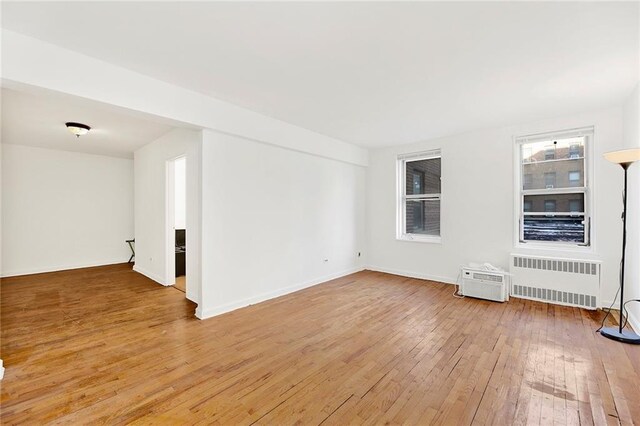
562	281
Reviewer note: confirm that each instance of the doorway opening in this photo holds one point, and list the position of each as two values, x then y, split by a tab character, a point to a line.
177	223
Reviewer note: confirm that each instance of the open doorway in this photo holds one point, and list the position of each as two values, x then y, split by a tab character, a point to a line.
177	223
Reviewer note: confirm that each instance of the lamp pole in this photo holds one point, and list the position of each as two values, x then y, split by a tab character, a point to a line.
625	159
625	166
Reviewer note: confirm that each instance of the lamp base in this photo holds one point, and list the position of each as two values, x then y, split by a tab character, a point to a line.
626	336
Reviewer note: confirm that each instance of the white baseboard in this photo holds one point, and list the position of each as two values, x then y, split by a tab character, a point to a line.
228	307
633	321
411	274
58	268
150	275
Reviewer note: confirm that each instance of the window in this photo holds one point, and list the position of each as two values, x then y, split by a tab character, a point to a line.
549	153
574	151
574	177
575	206
419	196
418	181
554	193
550	179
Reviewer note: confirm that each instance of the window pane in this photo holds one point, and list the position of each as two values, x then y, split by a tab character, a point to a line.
553	164
554	203
423	176
576	205
557	228
550	179
575	177
423	217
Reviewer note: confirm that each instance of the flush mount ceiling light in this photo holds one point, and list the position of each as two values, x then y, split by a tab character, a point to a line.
78	129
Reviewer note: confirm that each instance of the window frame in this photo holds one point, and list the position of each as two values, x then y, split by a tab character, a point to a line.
402	196
587	190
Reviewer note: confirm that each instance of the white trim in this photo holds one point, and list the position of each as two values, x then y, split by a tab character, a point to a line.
1	370
411	274
633	321
228	307
150	275
565	134
170	234
418	238
545	191
422	155
606	303
59	268
402	197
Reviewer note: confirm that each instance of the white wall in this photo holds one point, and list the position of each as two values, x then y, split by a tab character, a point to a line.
632	140
63	210
478	202
180	198
153	222
270	216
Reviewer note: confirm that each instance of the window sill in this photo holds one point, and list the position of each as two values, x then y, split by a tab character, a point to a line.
419	239
566	248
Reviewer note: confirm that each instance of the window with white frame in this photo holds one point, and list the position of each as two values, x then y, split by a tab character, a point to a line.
419	196
553	188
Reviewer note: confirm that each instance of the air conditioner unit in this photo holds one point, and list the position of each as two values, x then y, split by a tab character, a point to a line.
485	284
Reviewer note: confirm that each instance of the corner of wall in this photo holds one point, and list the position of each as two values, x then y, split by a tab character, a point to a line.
157	278
413	274
205	313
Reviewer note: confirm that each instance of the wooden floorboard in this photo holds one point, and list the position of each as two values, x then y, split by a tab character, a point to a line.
108	346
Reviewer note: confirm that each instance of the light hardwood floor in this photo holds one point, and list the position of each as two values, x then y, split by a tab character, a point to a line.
107	345
181	284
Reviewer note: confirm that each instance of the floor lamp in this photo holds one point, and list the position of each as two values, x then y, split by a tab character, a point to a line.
624	158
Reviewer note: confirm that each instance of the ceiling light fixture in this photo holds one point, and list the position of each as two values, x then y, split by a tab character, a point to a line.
78	129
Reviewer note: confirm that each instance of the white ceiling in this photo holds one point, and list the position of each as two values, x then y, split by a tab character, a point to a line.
373	74
38	119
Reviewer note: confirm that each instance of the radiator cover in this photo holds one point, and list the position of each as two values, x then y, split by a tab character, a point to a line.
570	282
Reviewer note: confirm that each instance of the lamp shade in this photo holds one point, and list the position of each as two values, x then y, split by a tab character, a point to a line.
624	156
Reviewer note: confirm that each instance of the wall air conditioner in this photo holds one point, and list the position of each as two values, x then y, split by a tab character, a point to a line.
484	283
